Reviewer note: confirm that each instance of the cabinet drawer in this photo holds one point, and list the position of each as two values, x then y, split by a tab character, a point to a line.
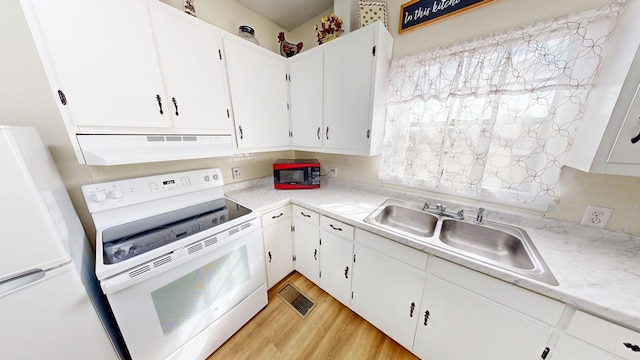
277	215
308	215
337	228
604	334
400	252
512	296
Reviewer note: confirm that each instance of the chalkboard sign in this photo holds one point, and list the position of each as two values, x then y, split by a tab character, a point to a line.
421	12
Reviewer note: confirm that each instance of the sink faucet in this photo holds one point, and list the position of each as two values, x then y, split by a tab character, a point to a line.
442	211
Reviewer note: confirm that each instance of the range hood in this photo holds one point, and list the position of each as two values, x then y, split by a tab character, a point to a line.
107	149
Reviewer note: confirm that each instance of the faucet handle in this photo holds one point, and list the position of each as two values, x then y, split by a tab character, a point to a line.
479	216
460	213
425	206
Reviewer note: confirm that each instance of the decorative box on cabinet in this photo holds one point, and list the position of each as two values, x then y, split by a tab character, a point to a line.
347	79
278	244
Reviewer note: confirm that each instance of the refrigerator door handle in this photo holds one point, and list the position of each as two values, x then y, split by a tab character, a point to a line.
21	280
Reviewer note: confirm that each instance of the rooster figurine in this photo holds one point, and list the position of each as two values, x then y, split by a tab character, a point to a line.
288	49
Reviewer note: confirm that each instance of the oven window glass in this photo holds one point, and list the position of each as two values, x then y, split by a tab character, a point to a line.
294	176
190	295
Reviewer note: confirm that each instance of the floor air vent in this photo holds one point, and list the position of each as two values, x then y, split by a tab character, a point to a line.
296	299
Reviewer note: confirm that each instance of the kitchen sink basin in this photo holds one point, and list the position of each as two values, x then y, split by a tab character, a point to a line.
498	245
489	243
404	217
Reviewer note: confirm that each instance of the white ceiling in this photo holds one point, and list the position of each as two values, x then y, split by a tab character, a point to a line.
288	14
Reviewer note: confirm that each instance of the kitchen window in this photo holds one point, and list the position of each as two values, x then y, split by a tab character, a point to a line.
493	117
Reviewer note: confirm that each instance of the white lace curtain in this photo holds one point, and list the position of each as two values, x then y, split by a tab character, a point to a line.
492	118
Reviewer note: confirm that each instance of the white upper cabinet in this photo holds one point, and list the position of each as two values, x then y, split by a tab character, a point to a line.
104	59
192	71
259	96
340	88
130	66
305	93
612	115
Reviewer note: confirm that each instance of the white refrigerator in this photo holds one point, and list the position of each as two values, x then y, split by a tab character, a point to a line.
50	303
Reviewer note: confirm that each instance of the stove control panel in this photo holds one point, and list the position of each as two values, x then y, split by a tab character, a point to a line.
114	194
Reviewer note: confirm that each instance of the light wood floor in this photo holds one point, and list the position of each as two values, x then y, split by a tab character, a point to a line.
330	331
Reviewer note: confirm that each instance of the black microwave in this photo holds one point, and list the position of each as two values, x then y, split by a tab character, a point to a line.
296	174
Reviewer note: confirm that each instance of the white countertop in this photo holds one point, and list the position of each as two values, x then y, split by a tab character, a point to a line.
598	270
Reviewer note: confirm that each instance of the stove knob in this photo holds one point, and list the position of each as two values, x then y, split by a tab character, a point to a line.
133	250
119	254
98	197
216	177
116	194
223	218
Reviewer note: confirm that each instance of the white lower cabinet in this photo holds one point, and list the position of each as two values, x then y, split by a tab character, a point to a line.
465	314
591	338
278	244
570	348
386	291
336	258
306	242
458	325
433	307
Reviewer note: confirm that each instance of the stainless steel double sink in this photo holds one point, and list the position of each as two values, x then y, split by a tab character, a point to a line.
502	246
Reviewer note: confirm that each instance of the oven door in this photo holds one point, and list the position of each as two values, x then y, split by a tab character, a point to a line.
162	313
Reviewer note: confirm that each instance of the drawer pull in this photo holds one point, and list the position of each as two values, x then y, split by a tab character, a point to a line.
159	100
305	215
633	347
335	228
346	272
277	216
426	317
635	139
269	253
545	353
315	254
411	309
175	104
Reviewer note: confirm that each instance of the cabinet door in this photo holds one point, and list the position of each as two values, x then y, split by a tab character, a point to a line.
305	91
278	251
258	86
626	149
456	325
569	348
192	71
336	266
387	293
105	61
348	66
306	240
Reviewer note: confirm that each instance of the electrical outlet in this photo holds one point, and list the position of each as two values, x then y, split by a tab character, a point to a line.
334	172
596	216
237	173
